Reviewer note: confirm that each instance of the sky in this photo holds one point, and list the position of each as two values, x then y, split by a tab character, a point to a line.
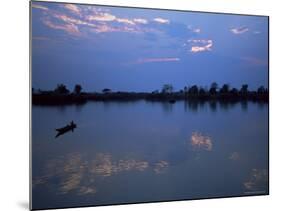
132	49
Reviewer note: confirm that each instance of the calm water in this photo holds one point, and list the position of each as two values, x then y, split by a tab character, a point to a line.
142	151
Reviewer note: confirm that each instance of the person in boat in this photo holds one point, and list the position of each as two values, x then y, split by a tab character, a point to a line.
72	125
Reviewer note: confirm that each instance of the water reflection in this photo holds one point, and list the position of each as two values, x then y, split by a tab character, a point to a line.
244	105
213	105
201	142
78	175
161	166
140	143
258	180
234	156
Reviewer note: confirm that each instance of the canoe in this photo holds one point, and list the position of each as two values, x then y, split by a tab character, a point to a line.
66	128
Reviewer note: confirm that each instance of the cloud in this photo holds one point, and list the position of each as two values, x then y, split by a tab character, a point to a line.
201	142
200	45
195	30
166	59
38	6
161	20
71	20
140	20
73	8
83	20
69	28
125	20
255	61
101	17
239	30
256	32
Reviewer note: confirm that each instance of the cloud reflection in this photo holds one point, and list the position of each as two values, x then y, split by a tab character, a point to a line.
78	174
161	166
258	180
234	156
201	142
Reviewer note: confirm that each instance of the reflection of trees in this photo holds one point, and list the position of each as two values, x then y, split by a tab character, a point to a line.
167	107
213	105
261	105
193	104
244	105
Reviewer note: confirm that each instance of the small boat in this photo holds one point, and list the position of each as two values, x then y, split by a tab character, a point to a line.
67	128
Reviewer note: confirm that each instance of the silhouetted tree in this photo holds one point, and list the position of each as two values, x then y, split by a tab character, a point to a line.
61	89
234	91
244	89
167	88
224	89
202	91
77	89
213	89
261	90
193	90
106	90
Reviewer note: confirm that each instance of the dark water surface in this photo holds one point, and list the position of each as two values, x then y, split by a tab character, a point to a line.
125	152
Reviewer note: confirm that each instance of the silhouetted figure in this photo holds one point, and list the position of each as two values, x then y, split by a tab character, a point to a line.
67	128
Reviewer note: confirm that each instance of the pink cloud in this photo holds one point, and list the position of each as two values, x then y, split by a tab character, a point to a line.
165	59
69	28
71	20
125	20
101	17
161	20
95	20
73	8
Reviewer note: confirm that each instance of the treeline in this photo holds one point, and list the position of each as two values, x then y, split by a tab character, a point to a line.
62	95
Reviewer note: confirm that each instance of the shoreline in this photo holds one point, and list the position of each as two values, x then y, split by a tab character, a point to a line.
70	99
